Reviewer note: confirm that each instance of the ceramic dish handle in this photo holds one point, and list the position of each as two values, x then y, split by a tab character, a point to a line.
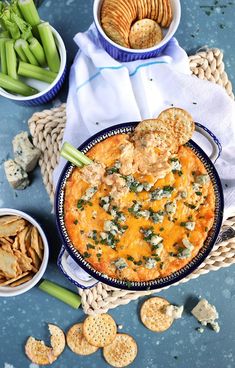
73	272
213	140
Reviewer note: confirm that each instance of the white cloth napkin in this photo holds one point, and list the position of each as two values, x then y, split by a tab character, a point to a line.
104	92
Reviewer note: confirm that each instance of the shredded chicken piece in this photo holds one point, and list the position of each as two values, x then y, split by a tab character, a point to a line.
93	173
119	187
147	159
127	159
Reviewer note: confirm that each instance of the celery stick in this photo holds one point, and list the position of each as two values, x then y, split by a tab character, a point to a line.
72	153
29	12
36	72
48	42
59	292
11	59
16	86
4	34
70	158
37	51
24	27
19	51
13	29
29	55
14	7
3	55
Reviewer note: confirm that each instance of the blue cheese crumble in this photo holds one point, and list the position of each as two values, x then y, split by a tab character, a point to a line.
202	179
120	264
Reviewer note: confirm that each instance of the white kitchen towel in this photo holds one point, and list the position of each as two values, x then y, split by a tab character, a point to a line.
104	92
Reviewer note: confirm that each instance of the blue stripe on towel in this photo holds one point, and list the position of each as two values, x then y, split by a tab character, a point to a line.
117	68
144	65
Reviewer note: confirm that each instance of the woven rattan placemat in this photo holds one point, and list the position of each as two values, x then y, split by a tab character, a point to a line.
47	129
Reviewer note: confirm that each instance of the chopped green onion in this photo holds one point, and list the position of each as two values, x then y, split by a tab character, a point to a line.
11	59
3	55
36	72
29	55
49	46
37	51
29	12
16	86
71	153
59	292
19	51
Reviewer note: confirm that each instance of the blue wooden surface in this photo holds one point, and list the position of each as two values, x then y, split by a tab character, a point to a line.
181	346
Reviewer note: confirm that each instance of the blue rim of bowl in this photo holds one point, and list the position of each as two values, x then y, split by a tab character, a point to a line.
159	282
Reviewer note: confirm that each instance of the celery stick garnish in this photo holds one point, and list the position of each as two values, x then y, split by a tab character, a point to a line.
73	155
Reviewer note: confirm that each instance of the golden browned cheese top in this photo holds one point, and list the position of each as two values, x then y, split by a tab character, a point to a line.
147	232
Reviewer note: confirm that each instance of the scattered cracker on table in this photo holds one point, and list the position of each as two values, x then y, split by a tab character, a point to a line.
39	353
153	314
57	339
99	330
121	352
77	342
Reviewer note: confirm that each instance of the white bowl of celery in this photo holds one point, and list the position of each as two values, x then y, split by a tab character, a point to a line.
32	54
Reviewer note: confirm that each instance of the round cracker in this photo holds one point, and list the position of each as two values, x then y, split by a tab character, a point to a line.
121	352
145	33
160	11
163	134
181	122
57	339
152	125
77	342
38	352
169	9
153	315
165	14
99	330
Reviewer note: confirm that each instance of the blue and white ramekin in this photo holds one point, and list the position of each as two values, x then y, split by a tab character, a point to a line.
125	54
47	92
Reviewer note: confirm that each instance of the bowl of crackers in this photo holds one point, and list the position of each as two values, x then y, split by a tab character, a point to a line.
24	252
136	29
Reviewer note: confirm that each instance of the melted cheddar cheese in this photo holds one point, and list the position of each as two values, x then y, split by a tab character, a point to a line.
149	233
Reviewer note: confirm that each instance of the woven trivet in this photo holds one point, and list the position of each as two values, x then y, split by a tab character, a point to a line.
47	129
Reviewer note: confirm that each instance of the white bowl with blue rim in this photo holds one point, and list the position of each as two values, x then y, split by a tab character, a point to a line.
126	54
81	273
46	91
